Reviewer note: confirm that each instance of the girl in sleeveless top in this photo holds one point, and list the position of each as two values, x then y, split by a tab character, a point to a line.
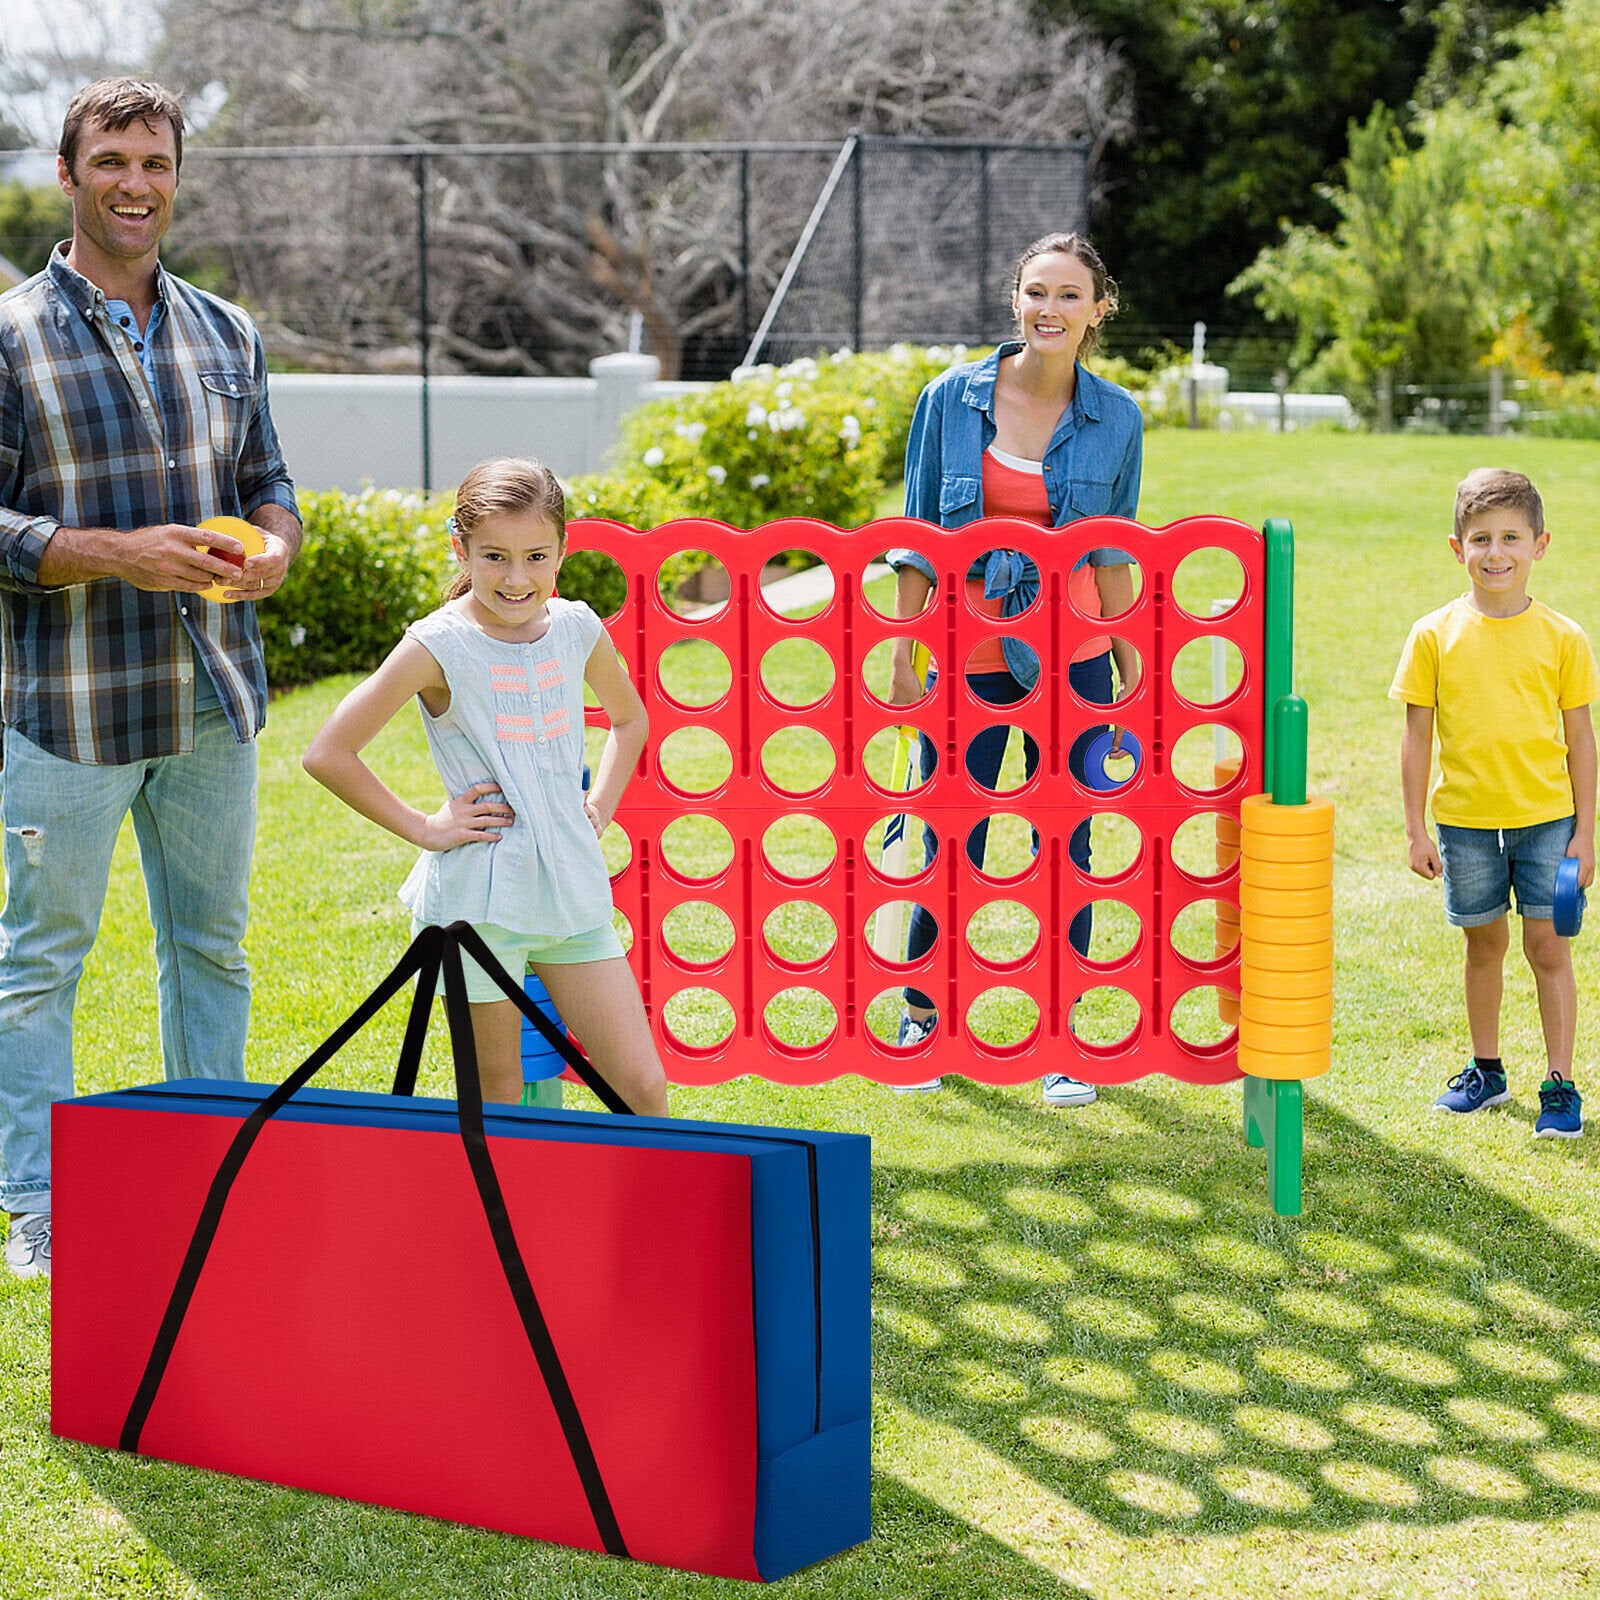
499	672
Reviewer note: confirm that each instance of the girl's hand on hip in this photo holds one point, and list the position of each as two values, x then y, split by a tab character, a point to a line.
471	817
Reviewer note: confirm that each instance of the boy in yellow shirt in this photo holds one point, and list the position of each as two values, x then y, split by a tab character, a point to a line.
1510	683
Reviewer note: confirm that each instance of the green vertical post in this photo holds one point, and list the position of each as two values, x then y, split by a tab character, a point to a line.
1273	1108
1278	668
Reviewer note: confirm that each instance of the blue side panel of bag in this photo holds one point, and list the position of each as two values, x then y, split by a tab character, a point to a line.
810	1199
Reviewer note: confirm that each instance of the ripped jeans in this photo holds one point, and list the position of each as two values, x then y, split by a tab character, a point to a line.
194	816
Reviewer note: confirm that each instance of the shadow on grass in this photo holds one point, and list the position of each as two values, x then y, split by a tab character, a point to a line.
240	1540
1128	1324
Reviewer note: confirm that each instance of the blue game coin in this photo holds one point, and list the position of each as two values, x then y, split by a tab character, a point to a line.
1099	752
1569	898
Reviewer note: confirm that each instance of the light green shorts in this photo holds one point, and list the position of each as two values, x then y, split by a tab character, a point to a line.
515	950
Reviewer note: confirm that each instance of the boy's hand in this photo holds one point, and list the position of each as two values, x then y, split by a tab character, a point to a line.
1424	854
1582	847
470	817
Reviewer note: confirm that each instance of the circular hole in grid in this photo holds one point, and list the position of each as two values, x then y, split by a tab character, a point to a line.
1003	932
1105	1017
889	927
696	847
896	846
1208	582
1115	845
796	584
877	672
695	761
879	584
1115	931
698	1020
798	848
1135	661
1208	670
885	1012
1205	930
891	761
1117	586
1206	758
986	658
1006	845
1197	1019
697	933
693	584
799	932
624	929
616	849
1205	844
991	608
797	673
693	673
1106	771
598	578
797	761
1018	763
1003	1017
800	1019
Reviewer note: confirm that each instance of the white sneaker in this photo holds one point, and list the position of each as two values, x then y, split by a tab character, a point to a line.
1060	1090
28	1245
913	1030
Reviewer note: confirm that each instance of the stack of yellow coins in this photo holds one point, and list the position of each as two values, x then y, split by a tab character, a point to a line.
1286	920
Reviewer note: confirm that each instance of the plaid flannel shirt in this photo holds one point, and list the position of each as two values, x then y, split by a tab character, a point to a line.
101	672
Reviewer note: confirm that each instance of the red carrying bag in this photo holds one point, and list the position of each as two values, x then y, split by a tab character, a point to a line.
625	1334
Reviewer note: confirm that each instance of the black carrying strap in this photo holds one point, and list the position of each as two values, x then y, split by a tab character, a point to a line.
432	951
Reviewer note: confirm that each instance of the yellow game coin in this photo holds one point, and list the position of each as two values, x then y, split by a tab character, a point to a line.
247	533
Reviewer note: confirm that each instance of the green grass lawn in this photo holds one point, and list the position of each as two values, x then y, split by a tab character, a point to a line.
1102	1366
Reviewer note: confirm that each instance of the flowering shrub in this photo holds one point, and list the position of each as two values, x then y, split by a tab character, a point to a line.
370	563
815	438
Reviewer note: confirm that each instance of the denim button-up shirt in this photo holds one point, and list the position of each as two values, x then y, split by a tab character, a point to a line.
1091	468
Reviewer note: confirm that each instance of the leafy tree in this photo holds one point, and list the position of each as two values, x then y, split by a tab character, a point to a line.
1241	112
1395	292
1477	244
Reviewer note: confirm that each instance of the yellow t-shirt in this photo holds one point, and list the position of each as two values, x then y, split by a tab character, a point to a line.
1498	686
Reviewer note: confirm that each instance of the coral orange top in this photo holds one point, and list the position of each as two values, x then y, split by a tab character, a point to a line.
1014	487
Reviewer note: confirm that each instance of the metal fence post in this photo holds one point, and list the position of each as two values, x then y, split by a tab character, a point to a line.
857	265
424	318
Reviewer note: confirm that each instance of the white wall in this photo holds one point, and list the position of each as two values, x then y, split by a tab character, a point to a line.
340	431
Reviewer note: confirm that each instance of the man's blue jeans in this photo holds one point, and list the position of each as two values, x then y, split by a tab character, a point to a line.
194	817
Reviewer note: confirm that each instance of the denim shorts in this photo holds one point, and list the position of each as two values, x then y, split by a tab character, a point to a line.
1483	865
515	950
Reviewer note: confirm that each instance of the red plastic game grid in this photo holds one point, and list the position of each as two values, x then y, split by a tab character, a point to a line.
850	974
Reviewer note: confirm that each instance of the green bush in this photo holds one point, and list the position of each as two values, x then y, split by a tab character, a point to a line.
370	563
815	438
1559	407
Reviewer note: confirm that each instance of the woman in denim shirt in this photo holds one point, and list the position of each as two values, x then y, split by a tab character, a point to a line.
1029	433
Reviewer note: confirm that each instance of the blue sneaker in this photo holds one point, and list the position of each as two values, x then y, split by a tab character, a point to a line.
1472	1089
1560	1109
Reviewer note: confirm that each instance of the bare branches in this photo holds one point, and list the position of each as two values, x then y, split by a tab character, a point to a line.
537	261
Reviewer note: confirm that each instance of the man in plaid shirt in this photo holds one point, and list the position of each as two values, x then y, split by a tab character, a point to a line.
132	407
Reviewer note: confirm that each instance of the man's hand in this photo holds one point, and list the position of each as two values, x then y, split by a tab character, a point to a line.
161	558
263	575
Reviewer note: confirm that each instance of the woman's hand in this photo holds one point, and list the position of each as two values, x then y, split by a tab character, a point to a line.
905	686
470	818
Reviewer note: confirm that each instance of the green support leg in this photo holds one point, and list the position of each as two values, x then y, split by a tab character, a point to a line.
1272	1120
